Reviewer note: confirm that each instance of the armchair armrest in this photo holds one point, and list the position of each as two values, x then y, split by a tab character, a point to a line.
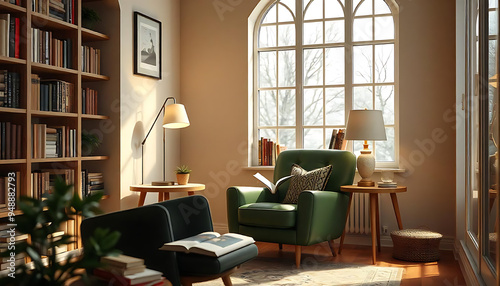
238	196
320	216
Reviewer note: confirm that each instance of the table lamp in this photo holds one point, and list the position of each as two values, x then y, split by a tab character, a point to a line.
365	125
174	117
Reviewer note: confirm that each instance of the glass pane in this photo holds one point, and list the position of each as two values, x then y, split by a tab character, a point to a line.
267	69
313	106
284	15
493	4
363	64
333	9
384	28
267	108
493	19
335	106
267	36
381	7
492	67
334	31
365	8
313	138
363	29
286	107
271	15
287	138
313	33
362	98
286	35
286	63
384	100
384	150
313	67
268	134
314	10
334	61
384	63
290	4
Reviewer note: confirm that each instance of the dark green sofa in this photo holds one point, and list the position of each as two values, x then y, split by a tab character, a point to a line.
317	217
145	229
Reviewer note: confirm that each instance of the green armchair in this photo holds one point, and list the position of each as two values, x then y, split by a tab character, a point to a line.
317	217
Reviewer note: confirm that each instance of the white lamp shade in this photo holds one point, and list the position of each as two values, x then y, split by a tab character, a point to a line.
175	116
365	125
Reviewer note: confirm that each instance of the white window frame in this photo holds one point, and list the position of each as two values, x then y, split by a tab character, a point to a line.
255	21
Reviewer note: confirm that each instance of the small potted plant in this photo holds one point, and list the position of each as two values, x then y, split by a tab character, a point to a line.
182	173
89	18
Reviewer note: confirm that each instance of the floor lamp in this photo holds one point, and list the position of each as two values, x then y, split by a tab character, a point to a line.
174	117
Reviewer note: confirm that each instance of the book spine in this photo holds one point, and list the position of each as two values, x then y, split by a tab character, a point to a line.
12	37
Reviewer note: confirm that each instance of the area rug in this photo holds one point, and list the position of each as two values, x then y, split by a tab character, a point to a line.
265	271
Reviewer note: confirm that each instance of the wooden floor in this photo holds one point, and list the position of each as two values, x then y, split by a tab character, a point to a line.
444	272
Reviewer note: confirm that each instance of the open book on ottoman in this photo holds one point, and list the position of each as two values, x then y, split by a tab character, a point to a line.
209	243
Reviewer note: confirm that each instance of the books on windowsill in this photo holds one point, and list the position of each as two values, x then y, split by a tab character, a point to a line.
209	243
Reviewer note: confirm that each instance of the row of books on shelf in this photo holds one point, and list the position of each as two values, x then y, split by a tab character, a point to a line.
91	183
15	2
337	140
42	181
48	50
53	141
269	151
9	183
10	83
91	60
63	10
89	101
10	140
51	95
10	35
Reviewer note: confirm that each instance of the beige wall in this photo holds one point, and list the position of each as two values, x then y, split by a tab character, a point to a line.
141	98
214	87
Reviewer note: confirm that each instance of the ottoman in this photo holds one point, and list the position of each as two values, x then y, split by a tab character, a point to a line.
417	245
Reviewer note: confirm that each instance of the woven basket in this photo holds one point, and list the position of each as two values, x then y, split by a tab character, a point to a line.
418	245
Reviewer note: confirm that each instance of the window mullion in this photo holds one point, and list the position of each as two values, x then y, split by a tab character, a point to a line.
348	58
299	130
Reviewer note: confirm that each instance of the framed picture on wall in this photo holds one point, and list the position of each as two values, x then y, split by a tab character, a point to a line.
147	46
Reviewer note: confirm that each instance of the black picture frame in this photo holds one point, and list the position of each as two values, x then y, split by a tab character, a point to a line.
147	46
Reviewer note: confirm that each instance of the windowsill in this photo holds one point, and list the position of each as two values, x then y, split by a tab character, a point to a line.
271	168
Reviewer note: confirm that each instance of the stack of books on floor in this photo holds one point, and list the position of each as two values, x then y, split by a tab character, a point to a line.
126	270
7	235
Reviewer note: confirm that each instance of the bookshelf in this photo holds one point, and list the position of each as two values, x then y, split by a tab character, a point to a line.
27	115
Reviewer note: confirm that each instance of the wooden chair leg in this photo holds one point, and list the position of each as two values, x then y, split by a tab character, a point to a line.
281	246
332	247
298	252
227	280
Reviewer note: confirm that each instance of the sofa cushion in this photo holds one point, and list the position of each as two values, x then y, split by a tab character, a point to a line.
302	180
272	215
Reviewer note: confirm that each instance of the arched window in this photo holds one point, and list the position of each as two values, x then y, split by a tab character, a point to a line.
314	60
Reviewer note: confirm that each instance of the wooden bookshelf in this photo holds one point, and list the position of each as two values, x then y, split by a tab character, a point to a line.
26	116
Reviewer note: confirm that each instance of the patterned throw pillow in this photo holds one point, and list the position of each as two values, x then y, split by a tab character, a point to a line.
302	180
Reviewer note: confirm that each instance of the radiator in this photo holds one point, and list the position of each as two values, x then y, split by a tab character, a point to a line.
359	214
